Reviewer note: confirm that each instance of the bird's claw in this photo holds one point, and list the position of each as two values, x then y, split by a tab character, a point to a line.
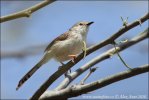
73	57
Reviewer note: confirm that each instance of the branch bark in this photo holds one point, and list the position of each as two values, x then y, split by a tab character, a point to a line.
70	64
100	58
26	12
89	74
77	90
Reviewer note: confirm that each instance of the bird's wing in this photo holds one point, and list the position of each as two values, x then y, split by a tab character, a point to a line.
59	38
42	61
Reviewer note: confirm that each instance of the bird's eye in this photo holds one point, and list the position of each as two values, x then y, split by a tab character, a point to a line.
80	24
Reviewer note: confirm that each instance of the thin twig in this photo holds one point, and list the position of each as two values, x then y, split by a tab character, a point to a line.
26	12
90	72
125	22
91	49
82	89
120	56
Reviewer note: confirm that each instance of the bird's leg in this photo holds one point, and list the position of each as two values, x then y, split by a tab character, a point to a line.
84	49
73	57
61	67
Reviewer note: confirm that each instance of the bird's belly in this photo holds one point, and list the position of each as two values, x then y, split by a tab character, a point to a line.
66	48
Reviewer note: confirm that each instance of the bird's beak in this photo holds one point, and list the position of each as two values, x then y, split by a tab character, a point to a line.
90	23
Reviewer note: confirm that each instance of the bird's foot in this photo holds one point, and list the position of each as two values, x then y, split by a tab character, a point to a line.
73	57
61	66
66	74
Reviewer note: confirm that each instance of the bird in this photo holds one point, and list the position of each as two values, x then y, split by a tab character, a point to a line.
65	47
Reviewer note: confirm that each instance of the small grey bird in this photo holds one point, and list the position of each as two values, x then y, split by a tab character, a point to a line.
63	48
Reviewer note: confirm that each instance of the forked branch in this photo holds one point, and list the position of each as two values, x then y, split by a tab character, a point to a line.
26	12
77	90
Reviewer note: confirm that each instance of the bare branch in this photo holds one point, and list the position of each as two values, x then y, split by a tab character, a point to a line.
90	72
26	12
77	90
70	64
100	58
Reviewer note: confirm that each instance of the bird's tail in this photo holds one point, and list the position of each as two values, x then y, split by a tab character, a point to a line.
33	70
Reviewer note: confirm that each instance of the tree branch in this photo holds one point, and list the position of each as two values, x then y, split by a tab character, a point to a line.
77	90
26	12
70	64
89	74
100	58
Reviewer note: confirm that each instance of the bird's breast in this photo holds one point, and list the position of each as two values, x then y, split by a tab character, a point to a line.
71	46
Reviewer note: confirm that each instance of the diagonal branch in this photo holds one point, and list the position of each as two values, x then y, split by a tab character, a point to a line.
70	64
100	58
26	12
77	90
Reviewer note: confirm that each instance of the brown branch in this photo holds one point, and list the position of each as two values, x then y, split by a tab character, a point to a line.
26	12
77	90
100	58
70	64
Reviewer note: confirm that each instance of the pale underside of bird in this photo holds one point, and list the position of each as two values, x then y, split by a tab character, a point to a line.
65	47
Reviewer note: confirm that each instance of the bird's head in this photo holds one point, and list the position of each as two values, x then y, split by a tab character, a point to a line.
81	27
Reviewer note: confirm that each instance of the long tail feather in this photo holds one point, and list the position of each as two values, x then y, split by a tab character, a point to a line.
32	71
